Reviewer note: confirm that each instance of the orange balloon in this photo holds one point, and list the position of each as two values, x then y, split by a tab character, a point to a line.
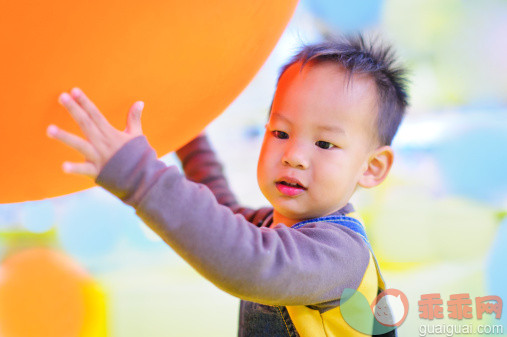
44	293
187	60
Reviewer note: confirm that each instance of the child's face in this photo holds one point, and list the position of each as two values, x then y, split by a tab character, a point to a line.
321	132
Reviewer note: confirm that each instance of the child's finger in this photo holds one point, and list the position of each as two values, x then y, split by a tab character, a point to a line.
87	169
75	142
134	119
88	106
80	116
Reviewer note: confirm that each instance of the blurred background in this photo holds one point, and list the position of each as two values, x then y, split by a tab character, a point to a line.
436	224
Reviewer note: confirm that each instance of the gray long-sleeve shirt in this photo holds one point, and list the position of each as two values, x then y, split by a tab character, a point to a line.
275	265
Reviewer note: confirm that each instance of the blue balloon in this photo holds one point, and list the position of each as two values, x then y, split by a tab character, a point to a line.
346	15
9	215
87	226
92	223
474	164
38	216
496	273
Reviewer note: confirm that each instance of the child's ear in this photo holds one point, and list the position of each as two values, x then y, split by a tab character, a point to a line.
379	165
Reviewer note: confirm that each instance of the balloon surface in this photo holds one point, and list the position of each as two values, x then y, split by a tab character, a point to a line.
45	293
495	273
345	15
187	60
470	164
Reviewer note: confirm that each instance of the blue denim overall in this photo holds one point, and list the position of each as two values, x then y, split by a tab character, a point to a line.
259	320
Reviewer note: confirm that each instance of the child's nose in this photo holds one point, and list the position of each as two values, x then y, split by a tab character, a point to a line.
295	156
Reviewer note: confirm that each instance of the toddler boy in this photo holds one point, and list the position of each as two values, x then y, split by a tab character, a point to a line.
336	109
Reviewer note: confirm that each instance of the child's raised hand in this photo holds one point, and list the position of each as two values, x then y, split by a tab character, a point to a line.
102	139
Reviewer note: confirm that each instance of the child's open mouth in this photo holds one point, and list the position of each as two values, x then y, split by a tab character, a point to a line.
290	189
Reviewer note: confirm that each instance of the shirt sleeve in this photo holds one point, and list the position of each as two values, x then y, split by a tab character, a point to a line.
201	165
274	266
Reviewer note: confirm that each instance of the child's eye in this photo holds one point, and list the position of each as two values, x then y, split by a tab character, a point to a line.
280	134
324	145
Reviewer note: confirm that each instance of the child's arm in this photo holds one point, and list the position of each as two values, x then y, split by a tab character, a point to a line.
201	165
278	266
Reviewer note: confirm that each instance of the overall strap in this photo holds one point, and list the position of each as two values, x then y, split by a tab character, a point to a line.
352	224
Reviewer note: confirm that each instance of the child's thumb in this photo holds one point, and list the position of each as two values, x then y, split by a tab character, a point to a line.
134	119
